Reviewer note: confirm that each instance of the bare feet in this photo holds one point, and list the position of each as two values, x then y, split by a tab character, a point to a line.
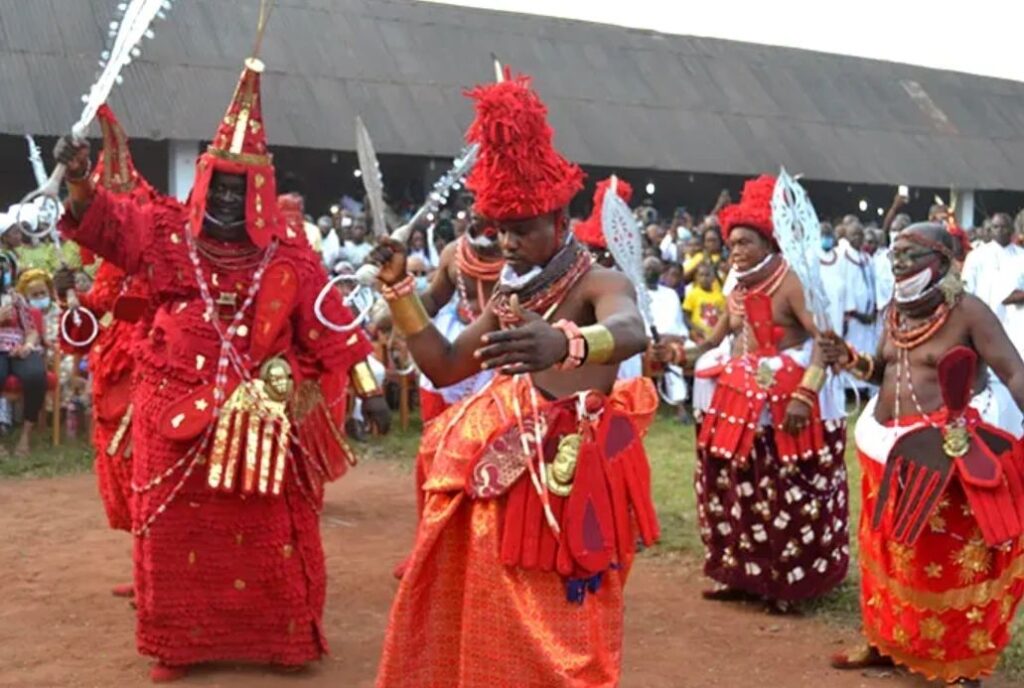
161	673
722	593
22	450
400	568
782	608
860	658
123	590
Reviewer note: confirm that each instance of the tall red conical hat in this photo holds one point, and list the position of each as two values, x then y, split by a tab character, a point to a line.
519	174
114	169
591	231
240	147
754	211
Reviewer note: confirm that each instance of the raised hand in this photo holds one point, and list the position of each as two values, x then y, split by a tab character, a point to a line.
390	256
833	349
74	156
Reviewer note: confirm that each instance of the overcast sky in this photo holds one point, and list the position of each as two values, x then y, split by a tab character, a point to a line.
980	37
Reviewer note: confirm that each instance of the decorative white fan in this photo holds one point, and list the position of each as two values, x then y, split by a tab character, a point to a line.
798	234
625	243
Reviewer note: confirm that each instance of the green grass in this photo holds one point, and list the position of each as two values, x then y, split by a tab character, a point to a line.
670	448
46	460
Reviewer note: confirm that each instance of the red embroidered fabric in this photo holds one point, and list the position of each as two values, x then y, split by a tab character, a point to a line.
217	576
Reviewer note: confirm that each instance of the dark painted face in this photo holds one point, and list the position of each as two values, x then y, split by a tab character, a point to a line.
747	248
529	243
225	204
909	258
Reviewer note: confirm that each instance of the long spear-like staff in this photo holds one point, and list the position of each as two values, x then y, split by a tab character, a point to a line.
127	32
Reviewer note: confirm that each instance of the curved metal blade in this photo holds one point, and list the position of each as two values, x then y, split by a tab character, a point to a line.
373	181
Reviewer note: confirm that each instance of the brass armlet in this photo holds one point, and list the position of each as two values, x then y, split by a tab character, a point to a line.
600	343
814	379
408	314
364	381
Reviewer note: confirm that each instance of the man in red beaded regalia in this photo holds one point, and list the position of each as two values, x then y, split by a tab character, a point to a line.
121	307
537	486
771	481
941	547
231	438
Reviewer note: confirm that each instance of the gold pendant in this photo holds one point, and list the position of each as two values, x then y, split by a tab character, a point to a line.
561	471
765	376
955	441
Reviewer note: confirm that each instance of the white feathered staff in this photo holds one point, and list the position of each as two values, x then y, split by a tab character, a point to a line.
798	234
126	32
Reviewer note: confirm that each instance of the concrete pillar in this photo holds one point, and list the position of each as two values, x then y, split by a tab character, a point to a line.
181	167
963	201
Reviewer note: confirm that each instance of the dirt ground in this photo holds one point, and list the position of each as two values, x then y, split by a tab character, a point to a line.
59	625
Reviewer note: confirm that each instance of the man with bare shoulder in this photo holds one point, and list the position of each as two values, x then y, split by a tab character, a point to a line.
771	482
942	571
537	486
457	295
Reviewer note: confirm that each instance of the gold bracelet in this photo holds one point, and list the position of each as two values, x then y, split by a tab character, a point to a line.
409	315
814	378
364	381
868	371
600	343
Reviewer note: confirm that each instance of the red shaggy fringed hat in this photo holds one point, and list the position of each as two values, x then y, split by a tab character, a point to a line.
240	147
519	174
754	210
590	232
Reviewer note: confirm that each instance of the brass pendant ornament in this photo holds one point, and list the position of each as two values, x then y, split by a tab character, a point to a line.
955	441
765	376
560	472
254	424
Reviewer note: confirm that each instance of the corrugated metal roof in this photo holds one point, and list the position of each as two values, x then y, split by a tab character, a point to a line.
618	97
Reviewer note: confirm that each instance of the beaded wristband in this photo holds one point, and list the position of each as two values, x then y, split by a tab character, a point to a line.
576	350
403	287
805	395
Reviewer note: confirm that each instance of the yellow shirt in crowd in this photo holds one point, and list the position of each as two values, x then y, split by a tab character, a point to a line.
704	307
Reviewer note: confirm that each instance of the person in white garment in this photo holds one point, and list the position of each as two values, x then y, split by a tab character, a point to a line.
860	310
330	245
833	276
994	272
667	313
356	248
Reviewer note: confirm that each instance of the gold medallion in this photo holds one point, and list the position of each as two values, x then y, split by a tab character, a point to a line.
956	441
562	470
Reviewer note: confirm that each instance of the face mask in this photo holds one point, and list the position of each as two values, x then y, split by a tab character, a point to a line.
41	303
913	287
828	243
422	283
